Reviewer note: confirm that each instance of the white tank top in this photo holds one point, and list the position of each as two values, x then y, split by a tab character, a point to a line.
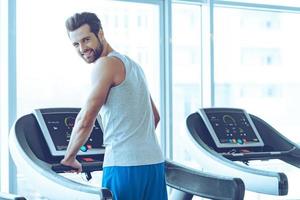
128	121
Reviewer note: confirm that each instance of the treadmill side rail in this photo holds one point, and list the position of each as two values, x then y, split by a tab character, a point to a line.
7	196
200	184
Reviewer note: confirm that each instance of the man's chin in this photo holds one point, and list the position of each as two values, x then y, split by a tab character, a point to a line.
89	60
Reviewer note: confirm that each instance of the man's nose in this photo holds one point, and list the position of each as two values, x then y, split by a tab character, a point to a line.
82	48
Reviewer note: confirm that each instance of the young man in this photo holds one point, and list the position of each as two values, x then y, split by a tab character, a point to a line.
133	166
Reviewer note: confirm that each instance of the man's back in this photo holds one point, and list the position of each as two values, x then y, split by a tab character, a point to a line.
129	129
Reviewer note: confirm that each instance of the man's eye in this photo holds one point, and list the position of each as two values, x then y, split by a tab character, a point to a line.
76	45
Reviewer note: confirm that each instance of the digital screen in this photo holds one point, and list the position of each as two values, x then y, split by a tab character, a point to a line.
60	127
231	127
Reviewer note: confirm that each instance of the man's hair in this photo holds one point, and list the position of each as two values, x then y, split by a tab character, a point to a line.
79	19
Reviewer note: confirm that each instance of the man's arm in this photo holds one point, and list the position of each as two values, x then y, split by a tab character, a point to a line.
103	79
155	113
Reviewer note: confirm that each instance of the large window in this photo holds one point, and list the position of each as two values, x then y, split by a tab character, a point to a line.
48	66
256	68
256	65
51	74
186	77
4	127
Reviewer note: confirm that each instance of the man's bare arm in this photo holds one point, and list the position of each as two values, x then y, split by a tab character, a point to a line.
103	80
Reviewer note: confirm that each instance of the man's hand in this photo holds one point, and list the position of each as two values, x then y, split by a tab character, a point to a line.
72	163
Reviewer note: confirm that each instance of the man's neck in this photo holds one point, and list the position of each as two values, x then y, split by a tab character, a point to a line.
107	49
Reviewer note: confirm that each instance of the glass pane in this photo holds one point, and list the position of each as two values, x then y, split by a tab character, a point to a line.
257	66
53	70
186	72
4	127
272	2
51	74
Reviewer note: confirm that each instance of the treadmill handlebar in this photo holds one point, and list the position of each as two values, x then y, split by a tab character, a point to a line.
60	168
86	167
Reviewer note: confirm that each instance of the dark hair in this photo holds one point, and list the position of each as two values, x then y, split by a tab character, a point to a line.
79	19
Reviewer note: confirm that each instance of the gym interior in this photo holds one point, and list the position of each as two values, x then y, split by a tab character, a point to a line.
204	60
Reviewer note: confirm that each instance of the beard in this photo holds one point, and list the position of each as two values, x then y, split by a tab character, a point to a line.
96	53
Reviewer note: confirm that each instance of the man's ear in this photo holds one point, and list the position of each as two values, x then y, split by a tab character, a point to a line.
101	35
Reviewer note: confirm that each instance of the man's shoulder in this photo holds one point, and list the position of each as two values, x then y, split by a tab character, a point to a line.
109	66
107	62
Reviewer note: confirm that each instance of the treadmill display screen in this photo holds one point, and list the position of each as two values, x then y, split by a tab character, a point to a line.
57	128
231	127
60	127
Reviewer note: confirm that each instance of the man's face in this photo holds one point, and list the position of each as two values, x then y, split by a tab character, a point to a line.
86	43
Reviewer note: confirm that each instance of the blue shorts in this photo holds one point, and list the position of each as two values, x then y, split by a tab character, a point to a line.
146	182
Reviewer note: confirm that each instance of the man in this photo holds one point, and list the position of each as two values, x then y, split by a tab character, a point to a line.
133	167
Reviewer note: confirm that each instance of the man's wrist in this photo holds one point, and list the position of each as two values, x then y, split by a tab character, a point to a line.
68	159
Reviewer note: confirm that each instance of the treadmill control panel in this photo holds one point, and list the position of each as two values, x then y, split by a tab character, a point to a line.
57	127
231	128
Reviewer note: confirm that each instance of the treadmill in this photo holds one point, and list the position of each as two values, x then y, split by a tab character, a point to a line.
227	139
38	142
8	196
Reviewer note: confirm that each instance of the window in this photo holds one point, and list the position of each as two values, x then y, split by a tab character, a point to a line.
48	66
51	74
256	67
4	126
186	25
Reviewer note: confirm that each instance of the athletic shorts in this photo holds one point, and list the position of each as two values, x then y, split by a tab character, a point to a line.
145	182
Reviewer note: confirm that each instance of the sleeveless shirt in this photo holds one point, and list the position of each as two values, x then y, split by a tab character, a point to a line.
128	120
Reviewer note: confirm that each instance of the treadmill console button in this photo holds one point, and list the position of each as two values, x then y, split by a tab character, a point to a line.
83	148
87	159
